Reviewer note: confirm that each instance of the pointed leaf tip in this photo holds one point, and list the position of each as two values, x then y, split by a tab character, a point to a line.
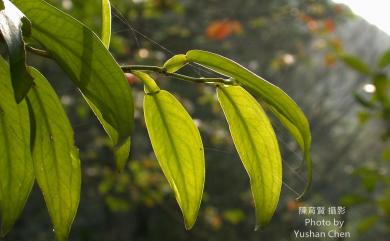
56	161
179	150
293	116
257	146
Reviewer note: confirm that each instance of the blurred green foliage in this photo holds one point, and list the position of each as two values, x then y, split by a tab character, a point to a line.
293	43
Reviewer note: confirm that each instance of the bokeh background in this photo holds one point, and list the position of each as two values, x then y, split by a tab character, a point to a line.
303	46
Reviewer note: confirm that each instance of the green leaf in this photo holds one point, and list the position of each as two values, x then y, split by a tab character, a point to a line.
367	223
56	161
16	166
355	63
175	63
382	85
257	146
269	93
384	60
179	150
11	25
150	85
92	68
106	23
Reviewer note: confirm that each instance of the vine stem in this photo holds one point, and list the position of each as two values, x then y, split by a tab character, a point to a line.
149	68
160	70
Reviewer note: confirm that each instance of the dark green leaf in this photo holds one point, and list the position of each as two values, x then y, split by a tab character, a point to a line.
56	161
106	23
363	100
269	93
83	56
365	224
16	166
175	63
384	60
179	150
352	199
355	63
11	24
256	143
382	85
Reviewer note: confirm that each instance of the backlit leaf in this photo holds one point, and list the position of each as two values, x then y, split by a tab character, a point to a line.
175	63
16	166
106	23
179	150
268	92
257	146
11	25
56	161
92	68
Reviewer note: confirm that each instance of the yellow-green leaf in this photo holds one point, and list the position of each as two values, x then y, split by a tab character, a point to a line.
175	63
56	161
16	166
257	146
269	93
11	25
106	23
179	150
90	65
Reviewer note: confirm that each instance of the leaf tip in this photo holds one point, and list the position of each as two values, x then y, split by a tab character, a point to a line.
189	223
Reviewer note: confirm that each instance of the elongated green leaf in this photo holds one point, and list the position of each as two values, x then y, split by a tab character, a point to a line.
16	166
83	56
269	93
56	161
175	63
256	143
355	63
384	60
150	85
106	23
11	24
179	150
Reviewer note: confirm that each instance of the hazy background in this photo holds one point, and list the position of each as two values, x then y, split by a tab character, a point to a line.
295	45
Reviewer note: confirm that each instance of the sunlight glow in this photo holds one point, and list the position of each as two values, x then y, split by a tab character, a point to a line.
369	88
375	12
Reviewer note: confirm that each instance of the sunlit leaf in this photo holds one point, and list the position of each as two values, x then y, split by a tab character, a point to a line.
16	166
150	85
179	150
106	23
11	25
92	68
175	63
268	92
56	161
355	63
384	60
257	146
